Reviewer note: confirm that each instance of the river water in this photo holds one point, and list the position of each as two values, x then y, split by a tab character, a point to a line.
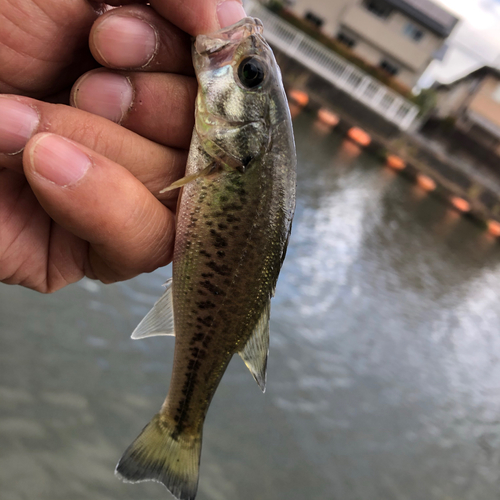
384	373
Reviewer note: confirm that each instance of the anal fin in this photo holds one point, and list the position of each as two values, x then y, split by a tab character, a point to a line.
256	350
160	320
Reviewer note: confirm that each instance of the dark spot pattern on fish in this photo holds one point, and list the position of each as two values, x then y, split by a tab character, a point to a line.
206	320
212	288
206	304
219	241
221	270
232	207
230	218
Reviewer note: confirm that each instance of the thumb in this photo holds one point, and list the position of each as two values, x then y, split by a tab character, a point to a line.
128	229
196	16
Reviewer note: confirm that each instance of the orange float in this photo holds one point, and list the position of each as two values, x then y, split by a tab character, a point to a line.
494	228
295	109
327	117
460	204
348	151
395	162
426	183
299	97
359	136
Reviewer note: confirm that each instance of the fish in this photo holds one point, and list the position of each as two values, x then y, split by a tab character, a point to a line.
234	220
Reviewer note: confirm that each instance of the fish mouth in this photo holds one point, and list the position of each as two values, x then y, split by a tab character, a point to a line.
232	35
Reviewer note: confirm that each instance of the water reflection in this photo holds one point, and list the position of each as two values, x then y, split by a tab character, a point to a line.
383	377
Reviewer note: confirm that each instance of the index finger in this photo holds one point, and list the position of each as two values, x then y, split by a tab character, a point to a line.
196	16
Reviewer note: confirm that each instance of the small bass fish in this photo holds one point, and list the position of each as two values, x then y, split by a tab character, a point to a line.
234	220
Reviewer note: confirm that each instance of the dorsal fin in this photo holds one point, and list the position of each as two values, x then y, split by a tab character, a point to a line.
160	320
256	350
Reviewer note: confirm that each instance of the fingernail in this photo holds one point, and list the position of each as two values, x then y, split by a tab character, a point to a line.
104	94
58	160
230	12
18	121
125	42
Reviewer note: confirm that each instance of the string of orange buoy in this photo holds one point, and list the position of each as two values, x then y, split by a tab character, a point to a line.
494	228
395	162
357	135
299	97
328	117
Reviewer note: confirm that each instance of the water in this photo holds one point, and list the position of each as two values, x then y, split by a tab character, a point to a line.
383	383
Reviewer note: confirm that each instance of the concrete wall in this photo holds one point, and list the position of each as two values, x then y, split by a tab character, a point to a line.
475	103
485	103
451	99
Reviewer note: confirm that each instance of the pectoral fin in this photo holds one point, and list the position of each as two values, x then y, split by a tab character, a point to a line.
189	178
160	320
256	350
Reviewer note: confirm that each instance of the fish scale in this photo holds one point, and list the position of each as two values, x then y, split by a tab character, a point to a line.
233	223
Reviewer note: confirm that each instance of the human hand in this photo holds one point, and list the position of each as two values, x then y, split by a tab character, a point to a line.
83	198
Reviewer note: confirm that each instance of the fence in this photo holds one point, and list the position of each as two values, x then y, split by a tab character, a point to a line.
342	74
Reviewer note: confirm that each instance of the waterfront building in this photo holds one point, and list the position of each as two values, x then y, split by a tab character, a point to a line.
471	104
401	37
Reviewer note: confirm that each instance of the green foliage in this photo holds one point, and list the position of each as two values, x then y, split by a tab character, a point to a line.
426	100
275	6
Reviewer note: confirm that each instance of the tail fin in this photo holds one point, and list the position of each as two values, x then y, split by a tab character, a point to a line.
160	454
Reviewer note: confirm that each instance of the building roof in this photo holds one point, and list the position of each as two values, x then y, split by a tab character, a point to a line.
480	72
427	13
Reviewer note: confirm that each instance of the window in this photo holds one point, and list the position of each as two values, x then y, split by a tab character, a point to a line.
314	19
346	40
380	9
413	32
496	94
389	67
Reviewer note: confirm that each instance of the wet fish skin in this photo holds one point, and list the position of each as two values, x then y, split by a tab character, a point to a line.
234	220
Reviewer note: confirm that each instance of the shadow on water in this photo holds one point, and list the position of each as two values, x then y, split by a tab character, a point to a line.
383	376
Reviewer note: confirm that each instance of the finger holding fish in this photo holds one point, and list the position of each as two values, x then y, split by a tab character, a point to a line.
41	252
135	37
130	99
128	230
193	16
151	163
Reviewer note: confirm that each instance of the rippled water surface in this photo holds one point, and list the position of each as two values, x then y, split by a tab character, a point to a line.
384	374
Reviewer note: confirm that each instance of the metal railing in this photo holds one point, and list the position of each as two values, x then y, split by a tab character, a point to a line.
338	71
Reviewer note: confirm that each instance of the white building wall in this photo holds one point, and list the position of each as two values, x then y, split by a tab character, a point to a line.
377	38
329	10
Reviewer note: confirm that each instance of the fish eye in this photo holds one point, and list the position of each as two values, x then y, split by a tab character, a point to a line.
251	72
